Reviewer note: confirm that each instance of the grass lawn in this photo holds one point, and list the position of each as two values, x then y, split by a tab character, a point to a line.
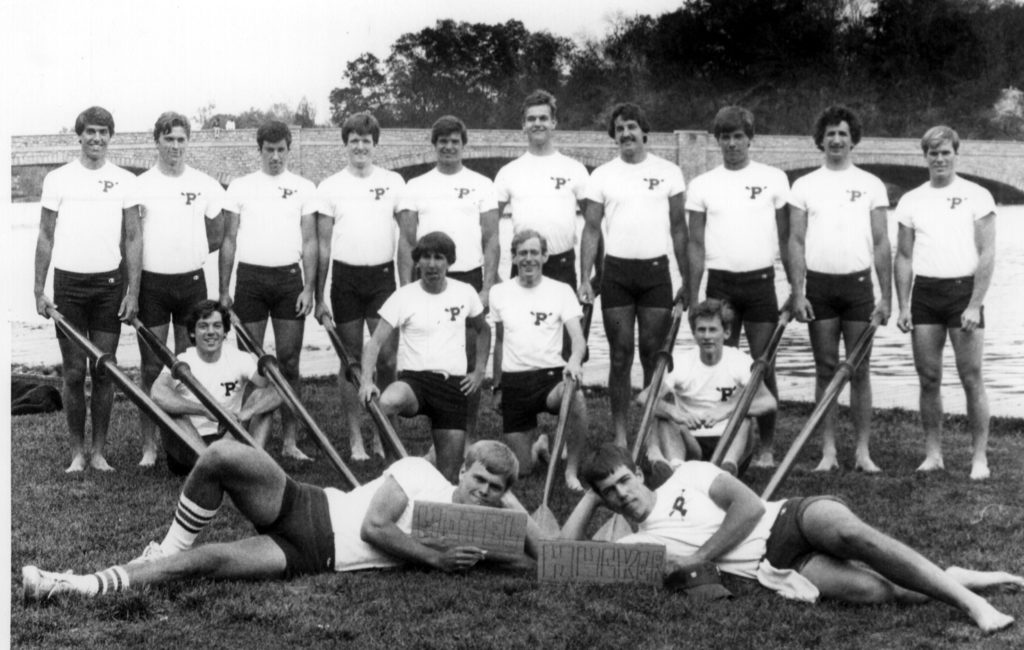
89	521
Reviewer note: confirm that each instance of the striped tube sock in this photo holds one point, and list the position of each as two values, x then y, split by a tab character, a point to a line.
189	520
106	581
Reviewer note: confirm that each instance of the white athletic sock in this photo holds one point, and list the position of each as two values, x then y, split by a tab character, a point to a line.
102	582
189	520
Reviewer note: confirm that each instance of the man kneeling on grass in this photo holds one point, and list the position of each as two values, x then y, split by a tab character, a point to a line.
802	548
303	529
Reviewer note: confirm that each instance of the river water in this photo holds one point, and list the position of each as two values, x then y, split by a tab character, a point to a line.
895	381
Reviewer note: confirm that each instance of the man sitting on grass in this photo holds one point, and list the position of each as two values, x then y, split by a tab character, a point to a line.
801	547
302	529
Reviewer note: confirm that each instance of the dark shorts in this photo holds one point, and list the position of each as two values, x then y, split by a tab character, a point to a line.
357	292
524	395
787	546
941	301
267	290
163	296
751	295
848	297
472	277
303	530
439	398
636	283
561	267
89	301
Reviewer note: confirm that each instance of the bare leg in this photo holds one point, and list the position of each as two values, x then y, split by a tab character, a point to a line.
473	399
519	443
450	450
758	335
149	371
860	399
575	442
618	327
967	346
928	341
74	365
102	401
824	335
288	342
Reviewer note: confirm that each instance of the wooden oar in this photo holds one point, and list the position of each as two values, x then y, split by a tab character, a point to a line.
757	372
105	362
543	516
617	526
270	368
352	371
181	371
839	380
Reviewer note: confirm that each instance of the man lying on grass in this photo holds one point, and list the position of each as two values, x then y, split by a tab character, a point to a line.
801	547
302	529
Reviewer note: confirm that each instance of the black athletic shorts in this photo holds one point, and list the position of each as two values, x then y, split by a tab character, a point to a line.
303	530
267	290
561	267
89	301
941	301
636	283
847	296
751	295
524	395
163	296
357	292
472	277
439	398
787	546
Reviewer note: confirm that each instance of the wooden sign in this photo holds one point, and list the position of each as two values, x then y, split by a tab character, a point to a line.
600	562
500	532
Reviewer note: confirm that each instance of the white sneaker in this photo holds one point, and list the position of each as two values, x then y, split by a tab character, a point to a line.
37	584
152	552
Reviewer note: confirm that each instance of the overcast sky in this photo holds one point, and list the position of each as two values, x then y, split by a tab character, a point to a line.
139	57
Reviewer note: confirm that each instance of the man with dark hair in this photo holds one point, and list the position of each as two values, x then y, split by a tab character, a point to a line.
704	387
803	548
641	197
356	228
946	251
544	188
229	374
738	226
434	315
838	231
270	227
301	529
83	230
460	203
180	211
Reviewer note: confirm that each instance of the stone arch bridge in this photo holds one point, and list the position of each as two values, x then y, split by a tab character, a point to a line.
318	152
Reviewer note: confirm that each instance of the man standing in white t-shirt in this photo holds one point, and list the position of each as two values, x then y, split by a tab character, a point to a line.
434	316
838	231
640	196
82	229
179	208
460	203
544	188
738	225
230	375
357	225
270	228
301	529
946	250
530	314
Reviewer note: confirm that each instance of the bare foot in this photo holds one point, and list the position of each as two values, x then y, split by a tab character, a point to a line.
377	446
931	464
866	465
295	454
359	455
763	459
77	464
573	482
148	458
980	472
540	450
99	463
990	619
975	580
827	464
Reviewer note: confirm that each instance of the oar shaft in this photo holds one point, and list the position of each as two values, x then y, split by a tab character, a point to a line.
564	410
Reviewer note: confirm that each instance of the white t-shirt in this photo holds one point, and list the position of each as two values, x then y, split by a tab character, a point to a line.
363	210
838	204
432	326
88	203
684	518
225	378
699	388
418	479
635	198
943	222
452	204
174	209
270	210
740	233
533	319
543	192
